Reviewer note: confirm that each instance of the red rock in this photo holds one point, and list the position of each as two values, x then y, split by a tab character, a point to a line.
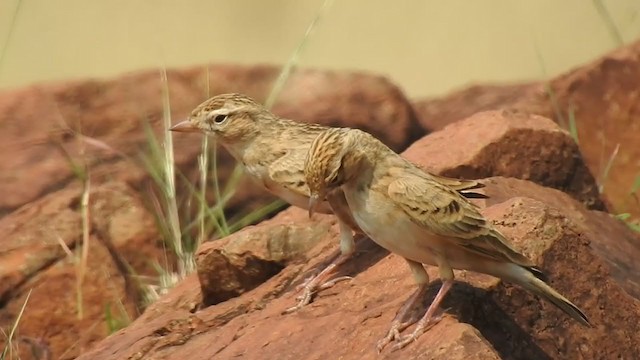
114	112
511	144
33	259
240	262
347	320
40	195
435	114
613	241
602	98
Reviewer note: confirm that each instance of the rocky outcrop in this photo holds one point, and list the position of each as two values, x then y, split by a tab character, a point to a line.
486	317
233	306
511	144
42	163
586	253
113	114
41	252
600	98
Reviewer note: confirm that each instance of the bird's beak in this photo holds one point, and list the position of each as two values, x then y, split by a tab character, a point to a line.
184	126
313	203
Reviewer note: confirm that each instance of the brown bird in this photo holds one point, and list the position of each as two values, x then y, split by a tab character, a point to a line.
272	151
411	213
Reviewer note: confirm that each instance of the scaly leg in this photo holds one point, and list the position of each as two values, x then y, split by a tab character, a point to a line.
429	319
399	323
318	282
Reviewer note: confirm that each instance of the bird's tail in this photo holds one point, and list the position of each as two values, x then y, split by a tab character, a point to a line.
527	279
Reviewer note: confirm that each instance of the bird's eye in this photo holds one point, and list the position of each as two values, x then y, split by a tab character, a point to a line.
219	119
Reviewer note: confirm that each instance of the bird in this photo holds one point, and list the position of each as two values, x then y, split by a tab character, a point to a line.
272	151
412	214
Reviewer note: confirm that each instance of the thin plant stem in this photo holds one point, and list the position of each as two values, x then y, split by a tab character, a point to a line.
12	27
607	168
7	346
169	175
294	58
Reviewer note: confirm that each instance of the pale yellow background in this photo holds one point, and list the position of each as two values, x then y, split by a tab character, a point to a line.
428	47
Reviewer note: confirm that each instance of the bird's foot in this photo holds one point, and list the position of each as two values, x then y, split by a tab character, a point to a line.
393	334
313	285
421	328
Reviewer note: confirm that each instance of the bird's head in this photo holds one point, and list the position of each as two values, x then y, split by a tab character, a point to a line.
229	117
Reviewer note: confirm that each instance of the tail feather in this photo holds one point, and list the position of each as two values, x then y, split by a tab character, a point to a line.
536	272
473	195
529	280
540	288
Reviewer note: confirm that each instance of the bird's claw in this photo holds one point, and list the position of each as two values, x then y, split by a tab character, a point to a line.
421	328
391	335
330	283
310	287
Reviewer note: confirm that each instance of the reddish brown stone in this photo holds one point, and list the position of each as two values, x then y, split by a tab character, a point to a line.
114	112
41	196
435	114
347	320
240	262
33	259
512	144
603	99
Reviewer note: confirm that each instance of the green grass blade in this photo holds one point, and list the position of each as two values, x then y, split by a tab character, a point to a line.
9	36
573	127
608	22
294	58
258	214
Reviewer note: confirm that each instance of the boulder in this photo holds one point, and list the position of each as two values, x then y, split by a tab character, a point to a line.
511	144
436	113
238	263
487	318
40	210
112	115
600	98
33	259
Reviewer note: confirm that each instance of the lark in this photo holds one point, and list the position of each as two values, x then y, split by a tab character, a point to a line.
272	151
412	214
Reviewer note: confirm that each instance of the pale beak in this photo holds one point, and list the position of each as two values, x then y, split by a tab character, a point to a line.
313	203
184	126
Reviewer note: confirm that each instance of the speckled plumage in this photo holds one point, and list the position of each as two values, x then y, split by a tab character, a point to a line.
418	216
272	151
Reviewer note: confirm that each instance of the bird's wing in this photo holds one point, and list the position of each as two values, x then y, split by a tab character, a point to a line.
287	171
457	184
440	210
464	187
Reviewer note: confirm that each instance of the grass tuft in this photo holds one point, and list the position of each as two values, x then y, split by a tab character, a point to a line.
117	321
8	346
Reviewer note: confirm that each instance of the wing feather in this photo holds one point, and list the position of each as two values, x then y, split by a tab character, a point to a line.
441	210
287	171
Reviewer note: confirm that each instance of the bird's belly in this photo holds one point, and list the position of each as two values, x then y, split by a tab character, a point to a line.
389	227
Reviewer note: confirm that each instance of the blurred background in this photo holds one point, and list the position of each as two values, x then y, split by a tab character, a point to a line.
427	47
91	162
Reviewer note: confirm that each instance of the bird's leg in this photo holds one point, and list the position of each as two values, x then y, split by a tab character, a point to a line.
399	323
318	282
430	318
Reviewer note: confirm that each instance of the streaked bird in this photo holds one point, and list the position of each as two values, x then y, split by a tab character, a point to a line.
415	215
